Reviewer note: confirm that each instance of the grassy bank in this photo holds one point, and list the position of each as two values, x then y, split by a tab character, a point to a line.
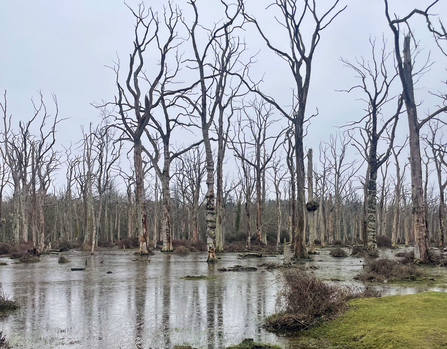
410	321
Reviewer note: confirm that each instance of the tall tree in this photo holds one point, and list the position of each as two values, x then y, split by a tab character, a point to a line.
130	100
439	154
375	83
404	64
303	26
252	131
213	61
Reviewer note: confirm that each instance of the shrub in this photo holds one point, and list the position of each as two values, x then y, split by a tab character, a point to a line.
406	257
178	242
236	246
383	241
106	244
64	245
200	245
382	269
356	250
307	300
236	237
29	258
338	252
338	243
128	243
181	251
6	248
63	259
6	303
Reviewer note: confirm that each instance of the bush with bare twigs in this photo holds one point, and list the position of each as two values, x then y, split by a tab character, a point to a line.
338	252
181	250
389	269
127	243
6	303
383	241
307	300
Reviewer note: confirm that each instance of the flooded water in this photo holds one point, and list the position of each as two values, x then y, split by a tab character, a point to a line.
143	304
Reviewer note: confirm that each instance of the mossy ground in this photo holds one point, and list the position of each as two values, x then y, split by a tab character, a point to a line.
409	321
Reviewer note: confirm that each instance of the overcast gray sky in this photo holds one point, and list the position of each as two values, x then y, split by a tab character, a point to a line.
62	47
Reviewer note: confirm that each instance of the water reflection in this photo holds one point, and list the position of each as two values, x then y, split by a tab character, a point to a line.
145	304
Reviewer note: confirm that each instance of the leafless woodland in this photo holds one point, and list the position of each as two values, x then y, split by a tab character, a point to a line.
193	147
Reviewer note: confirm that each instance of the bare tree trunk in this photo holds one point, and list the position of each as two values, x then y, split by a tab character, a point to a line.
311	204
140	197
331	220
167	240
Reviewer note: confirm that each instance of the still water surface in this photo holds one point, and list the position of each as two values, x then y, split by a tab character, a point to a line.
145	304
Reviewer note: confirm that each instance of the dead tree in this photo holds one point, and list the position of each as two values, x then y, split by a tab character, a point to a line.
375	83
160	141
439	158
311	205
340	174
192	170
213	61
25	155
397	194
277	175
252	131
405	69
298	23
107	153
136	108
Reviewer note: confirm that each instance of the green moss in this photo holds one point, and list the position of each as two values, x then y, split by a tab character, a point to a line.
3	263
410	321
248	343
198	277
